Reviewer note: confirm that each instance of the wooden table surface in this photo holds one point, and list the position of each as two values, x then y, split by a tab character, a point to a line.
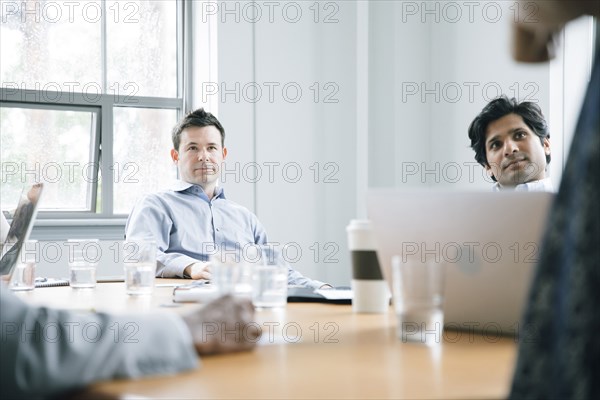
311	350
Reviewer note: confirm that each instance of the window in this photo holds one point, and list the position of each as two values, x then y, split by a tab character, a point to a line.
54	146
89	94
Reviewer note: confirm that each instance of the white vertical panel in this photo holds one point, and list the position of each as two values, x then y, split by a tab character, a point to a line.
235	43
362	104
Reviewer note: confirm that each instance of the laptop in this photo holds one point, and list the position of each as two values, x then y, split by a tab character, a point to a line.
19	232
20	228
488	244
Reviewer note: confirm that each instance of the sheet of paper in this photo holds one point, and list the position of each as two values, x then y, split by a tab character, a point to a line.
336	294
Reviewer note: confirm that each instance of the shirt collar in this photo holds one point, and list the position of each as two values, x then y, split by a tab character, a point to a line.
182	186
543	185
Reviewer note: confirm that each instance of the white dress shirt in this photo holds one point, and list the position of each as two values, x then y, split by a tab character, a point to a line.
543	185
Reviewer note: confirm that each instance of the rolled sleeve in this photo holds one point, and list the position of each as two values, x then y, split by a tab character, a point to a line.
297	279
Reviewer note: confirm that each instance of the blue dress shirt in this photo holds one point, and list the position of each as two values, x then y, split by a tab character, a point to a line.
188	227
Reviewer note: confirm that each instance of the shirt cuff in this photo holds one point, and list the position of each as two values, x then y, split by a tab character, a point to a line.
175	267
317	284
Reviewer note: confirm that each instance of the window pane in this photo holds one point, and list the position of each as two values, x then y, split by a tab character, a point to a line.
142	160
49	146
142	48
51	45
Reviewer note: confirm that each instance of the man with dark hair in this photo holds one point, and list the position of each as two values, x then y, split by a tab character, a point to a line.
198	118
511	141
195	164
194	219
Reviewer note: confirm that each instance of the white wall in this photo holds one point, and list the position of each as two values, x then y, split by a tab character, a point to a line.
302	144
53	256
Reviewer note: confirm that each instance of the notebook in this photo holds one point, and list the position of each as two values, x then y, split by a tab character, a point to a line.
50	282
203	292
338	295
20	228
488	243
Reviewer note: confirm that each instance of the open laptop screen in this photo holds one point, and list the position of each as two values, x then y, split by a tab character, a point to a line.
20	228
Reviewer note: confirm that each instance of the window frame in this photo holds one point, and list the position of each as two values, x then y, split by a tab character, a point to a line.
103	106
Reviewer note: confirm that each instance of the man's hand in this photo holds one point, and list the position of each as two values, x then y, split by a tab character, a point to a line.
224	325
198	270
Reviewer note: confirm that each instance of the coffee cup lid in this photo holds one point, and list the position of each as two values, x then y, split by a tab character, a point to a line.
359	224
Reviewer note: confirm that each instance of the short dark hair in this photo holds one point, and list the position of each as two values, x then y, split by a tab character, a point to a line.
199	118
498	108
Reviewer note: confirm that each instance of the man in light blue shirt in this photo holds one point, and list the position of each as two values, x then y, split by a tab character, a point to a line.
512	142
194	219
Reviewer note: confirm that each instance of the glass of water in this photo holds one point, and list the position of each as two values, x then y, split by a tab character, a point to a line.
231	274
139	261
23	276
418	300
270	280
84	255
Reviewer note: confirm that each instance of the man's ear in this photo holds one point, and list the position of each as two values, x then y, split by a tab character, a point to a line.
546	146
489	171
174	155
224	152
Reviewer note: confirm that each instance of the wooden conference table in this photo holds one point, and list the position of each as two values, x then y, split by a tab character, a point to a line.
310	350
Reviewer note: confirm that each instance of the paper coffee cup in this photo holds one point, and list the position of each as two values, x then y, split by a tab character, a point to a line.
371	293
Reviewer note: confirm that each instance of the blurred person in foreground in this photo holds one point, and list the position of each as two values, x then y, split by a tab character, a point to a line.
560	355
47	352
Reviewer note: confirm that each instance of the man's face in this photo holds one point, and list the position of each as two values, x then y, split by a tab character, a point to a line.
514	152
199	156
